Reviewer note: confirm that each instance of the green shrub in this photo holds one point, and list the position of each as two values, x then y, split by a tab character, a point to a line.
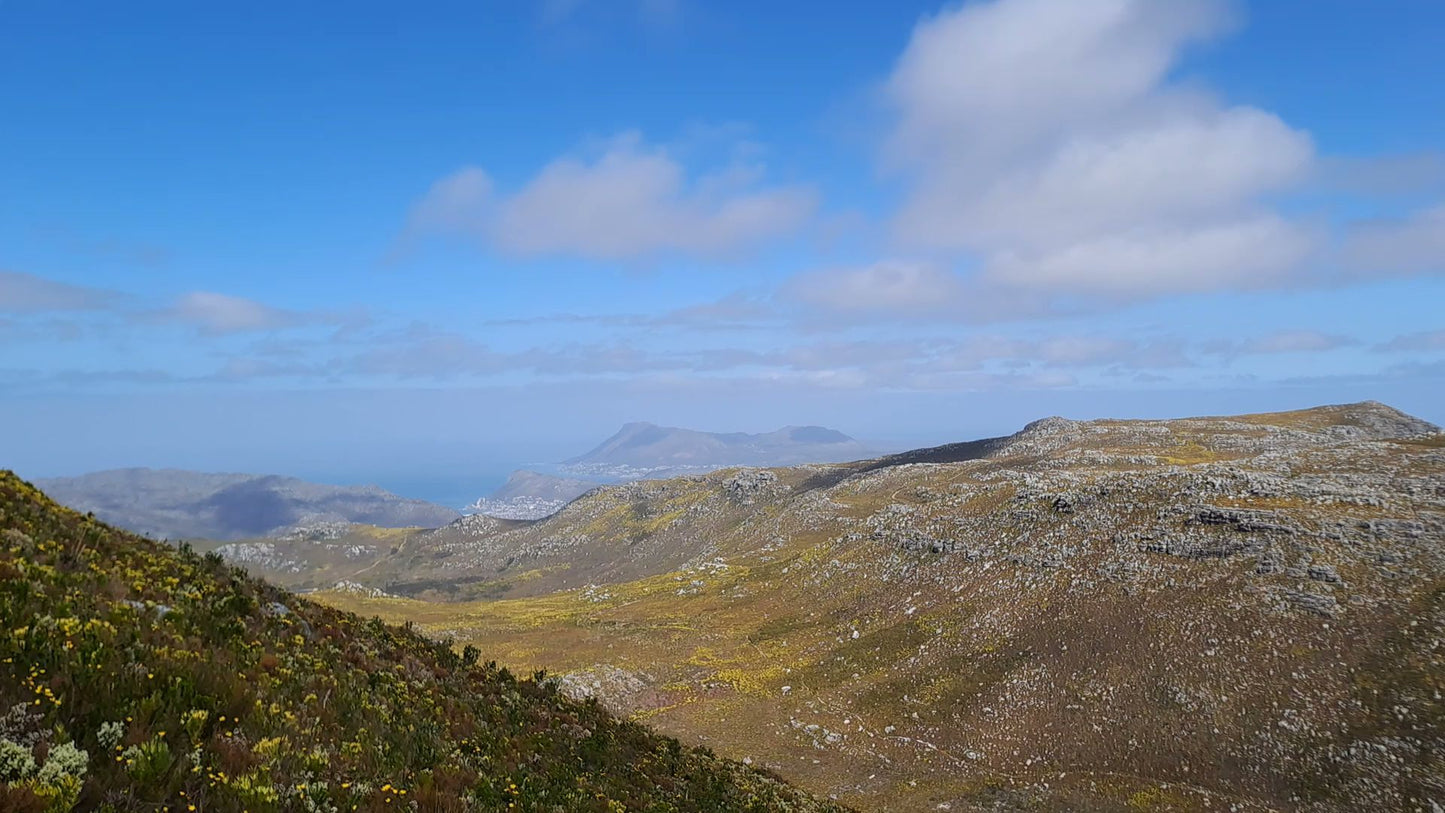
109	735
64	760
17	763
148	761
61	795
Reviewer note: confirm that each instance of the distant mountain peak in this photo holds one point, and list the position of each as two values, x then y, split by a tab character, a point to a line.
635	425
645	445
816	434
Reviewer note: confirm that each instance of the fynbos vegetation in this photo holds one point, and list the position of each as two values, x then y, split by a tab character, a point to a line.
136	677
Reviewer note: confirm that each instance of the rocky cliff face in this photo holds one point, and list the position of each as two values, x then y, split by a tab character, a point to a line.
1209	613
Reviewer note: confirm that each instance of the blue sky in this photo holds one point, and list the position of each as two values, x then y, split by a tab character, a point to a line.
411	245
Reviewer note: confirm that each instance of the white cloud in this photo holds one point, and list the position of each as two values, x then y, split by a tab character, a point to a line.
1043	140
885	287
1413	245
460	202
630	202
27	293
1248	253
1179	168
991	78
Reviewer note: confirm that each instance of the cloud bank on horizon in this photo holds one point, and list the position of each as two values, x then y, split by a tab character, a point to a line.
1006	195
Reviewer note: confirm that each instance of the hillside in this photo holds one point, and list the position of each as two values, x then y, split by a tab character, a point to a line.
1215	613
136	677
525	483
178	504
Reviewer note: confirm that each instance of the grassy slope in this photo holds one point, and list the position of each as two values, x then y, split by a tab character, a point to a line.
186	683
1167	683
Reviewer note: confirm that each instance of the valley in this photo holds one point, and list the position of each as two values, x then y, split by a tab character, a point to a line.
1193	614
136	676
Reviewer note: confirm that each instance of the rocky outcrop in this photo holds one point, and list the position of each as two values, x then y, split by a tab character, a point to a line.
621	691
750	484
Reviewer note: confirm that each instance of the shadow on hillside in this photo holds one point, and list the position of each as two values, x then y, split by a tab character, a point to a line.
948	453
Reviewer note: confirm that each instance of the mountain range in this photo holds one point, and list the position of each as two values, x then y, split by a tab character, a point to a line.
1230	613
193	505
643	450
178	504
649	447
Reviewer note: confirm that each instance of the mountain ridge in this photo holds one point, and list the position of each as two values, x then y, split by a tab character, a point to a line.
645	445
184	504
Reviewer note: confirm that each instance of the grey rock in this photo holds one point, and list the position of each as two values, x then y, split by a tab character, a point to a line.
748	484
1316	603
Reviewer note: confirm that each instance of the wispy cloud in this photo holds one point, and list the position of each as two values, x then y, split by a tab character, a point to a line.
62	310
27	293
421	353
986	361
1430	341
1398	247
215	313
110	249
652	13
1383	175
1282	342
736	311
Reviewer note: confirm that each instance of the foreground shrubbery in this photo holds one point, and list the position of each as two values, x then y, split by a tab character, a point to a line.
136	677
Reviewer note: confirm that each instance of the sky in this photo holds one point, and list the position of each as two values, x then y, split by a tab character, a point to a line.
418	244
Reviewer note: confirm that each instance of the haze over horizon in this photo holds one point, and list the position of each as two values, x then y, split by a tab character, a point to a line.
425	246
